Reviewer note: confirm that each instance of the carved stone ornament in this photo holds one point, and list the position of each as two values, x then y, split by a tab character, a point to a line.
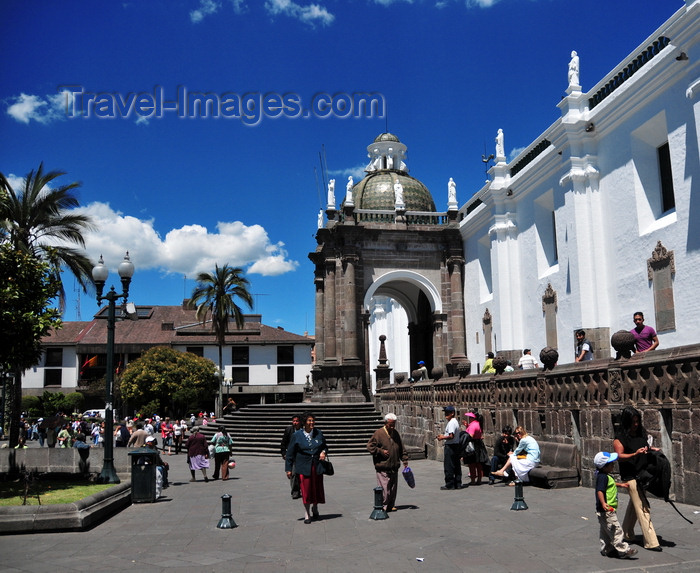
549	357
463	368
541	393
399	378
549	297
437	373
660	257
615	385
500	363
487	317
623	343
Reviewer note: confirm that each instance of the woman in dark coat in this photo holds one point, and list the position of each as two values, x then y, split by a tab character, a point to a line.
306	450
197	453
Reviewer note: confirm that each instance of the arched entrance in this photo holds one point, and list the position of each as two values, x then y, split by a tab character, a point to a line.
401	305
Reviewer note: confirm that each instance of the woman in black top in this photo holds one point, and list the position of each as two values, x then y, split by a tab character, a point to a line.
632	447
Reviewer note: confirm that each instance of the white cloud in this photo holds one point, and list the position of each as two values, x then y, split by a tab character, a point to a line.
515	152
390	2
206	8
311	14
17	183
239	6
357	172
187	250
26	107
481	3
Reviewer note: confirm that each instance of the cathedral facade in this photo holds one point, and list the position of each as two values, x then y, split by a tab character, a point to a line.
596	219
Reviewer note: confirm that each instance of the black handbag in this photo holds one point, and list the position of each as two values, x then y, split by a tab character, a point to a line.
327	466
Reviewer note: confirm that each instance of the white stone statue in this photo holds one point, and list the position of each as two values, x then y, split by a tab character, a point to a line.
331	194
320	218
574	70
348	191
500	147
451	192
398	194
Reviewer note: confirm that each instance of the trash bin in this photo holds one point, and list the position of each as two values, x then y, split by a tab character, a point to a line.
143	475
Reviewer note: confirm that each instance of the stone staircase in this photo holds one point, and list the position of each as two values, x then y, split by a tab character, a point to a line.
257	429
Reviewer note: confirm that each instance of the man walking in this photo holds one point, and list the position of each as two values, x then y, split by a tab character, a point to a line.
387	451
138	438
453	469
288	433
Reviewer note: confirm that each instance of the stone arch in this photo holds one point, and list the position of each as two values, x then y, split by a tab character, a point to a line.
385	285
420	300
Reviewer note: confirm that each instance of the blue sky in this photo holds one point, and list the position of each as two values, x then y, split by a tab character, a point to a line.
183	193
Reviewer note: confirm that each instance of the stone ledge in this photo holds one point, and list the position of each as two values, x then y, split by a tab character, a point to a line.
76	516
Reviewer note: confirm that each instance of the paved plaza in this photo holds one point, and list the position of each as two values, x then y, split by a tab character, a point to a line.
472	529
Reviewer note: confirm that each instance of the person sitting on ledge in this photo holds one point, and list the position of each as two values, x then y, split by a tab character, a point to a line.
525	457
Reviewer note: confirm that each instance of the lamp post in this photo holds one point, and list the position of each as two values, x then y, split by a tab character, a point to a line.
99	275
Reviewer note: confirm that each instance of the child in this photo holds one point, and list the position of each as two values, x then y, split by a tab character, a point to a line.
612	543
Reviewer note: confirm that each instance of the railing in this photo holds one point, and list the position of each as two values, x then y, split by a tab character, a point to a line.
668	378
628	71
529	156
576	403
390	216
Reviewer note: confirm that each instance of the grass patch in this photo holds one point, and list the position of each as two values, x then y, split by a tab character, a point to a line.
50	491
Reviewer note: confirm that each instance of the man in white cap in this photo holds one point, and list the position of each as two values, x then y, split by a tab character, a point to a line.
387	451
612	542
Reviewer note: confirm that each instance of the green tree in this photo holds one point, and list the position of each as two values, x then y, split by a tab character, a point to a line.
38	221
27	287
216	293
175	380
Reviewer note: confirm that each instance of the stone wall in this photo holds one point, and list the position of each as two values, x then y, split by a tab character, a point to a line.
576	403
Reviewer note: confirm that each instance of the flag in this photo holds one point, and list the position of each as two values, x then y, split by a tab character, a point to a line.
89	362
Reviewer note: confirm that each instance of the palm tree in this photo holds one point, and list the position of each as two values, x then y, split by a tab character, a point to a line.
39	221
216	293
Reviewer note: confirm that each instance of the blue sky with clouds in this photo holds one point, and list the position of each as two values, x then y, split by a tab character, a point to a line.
182	191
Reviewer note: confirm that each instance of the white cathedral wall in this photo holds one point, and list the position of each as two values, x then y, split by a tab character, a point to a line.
606	230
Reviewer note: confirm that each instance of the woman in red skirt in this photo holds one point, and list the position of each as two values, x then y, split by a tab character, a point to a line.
306	450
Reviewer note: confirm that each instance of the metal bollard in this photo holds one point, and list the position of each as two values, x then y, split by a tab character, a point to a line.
379	512
226	521
519	501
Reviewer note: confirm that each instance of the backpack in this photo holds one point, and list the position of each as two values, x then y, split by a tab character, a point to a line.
466	446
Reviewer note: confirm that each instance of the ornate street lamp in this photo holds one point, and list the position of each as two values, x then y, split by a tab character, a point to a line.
99	275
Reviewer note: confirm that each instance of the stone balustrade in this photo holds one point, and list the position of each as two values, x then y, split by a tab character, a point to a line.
576	403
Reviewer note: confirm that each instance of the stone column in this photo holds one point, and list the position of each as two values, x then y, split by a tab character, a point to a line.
383	371
438	349
350	327
329	307
459	348
318	335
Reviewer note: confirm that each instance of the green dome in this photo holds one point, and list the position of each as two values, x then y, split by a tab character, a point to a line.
376	191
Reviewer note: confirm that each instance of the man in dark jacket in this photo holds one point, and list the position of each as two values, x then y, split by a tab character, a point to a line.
288	432
387	451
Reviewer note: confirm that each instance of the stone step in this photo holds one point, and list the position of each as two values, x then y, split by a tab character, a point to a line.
258	429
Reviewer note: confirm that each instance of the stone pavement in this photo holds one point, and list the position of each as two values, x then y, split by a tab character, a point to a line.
472	529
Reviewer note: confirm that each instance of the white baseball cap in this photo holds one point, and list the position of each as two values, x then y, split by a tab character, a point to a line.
604	458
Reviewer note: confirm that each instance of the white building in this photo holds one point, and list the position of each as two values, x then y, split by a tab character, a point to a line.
597	218
261	363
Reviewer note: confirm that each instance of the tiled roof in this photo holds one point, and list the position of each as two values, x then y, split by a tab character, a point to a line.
167	325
